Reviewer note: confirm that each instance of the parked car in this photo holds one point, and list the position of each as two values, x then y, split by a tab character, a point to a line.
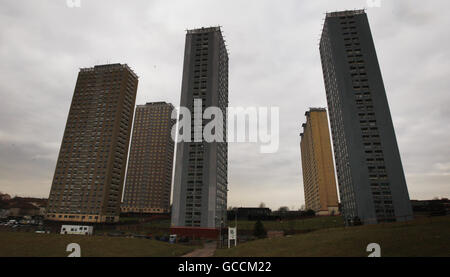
12	222
164	238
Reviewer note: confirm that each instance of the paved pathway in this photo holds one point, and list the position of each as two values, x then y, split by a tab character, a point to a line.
207	250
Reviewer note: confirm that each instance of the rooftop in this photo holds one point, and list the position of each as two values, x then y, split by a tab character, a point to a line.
312	109
210	29
345	13
204	30
106	67
155	104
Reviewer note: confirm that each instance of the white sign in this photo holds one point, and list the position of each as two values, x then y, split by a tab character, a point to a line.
232	232
232	235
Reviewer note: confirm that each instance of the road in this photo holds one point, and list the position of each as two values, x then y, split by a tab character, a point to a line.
207	250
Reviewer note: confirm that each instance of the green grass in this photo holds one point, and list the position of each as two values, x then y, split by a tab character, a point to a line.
421	237
158	227
314	223
162	223
13	244
128	219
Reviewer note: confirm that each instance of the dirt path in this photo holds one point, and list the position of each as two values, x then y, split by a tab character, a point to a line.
207	250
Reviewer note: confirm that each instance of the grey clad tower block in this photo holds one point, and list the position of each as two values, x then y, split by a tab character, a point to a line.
371	181
201	168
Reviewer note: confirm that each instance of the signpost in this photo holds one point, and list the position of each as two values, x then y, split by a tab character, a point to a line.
232	235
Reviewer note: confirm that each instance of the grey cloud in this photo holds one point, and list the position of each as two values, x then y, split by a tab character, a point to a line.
274	60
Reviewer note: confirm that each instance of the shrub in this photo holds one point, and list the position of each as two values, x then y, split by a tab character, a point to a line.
259	230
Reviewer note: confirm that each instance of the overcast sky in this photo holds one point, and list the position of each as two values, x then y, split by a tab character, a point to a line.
274	61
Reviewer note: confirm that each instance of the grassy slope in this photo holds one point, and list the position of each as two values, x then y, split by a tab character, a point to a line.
158	226
421	237
54	245
297	224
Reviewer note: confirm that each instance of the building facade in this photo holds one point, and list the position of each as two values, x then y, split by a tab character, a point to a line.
89	175
372	185
201	168
319	181
149	173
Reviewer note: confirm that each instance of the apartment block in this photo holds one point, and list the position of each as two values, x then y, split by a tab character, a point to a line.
319	180
372	185
89	175
201	168
149	173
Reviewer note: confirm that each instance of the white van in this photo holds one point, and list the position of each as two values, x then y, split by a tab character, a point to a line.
77	230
